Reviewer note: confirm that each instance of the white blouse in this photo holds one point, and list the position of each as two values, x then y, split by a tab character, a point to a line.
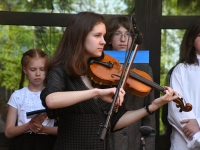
186	81
26	101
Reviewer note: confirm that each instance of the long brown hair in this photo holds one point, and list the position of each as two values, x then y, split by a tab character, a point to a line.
188	52
113	25
71	51
27	56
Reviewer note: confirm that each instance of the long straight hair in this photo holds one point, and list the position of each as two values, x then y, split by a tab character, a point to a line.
71	52
188	52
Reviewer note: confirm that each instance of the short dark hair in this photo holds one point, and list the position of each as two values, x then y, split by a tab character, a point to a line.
113	25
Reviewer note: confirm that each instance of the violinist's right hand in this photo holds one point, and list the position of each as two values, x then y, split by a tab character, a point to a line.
107	95
169	96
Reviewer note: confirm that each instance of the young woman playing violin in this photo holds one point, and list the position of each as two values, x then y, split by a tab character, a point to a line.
69	91
118	38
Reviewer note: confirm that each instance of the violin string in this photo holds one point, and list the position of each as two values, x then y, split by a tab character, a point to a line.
152	84
129	31
147	81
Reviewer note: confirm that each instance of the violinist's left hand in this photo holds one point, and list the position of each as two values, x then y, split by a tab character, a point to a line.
107	95
169	96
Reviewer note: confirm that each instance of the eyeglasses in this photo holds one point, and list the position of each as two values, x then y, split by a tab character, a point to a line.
118	35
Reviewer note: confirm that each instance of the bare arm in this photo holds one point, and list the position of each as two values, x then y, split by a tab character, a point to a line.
64	99
49	130
11	129
132	116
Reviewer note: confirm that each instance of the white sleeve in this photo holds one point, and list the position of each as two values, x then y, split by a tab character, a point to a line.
13	100
198	120
195	142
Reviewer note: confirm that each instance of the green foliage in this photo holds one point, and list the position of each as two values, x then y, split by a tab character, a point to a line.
14	41
180	7
11	53
26	5
170	49
131	6
186	7
69	6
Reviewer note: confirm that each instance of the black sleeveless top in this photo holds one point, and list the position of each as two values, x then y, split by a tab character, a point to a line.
79	124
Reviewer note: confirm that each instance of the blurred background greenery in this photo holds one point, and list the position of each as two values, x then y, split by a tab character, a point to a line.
15	40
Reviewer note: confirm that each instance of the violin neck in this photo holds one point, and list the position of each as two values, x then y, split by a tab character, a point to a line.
147	81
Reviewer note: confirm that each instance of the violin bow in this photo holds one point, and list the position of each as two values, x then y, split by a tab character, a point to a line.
128	61
136	40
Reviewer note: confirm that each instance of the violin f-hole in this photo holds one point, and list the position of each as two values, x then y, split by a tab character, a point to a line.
114	75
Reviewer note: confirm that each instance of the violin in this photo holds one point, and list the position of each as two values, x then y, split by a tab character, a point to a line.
107	71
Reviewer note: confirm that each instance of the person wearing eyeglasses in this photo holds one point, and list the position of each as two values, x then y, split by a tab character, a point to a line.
120	31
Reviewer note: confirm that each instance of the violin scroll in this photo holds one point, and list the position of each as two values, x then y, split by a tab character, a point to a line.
180	104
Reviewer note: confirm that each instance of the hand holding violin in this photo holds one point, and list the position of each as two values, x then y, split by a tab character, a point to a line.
169	96
134	115
107	95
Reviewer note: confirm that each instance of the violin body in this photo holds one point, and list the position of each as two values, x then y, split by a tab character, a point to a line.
110	76
102	75
137	87
108	72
